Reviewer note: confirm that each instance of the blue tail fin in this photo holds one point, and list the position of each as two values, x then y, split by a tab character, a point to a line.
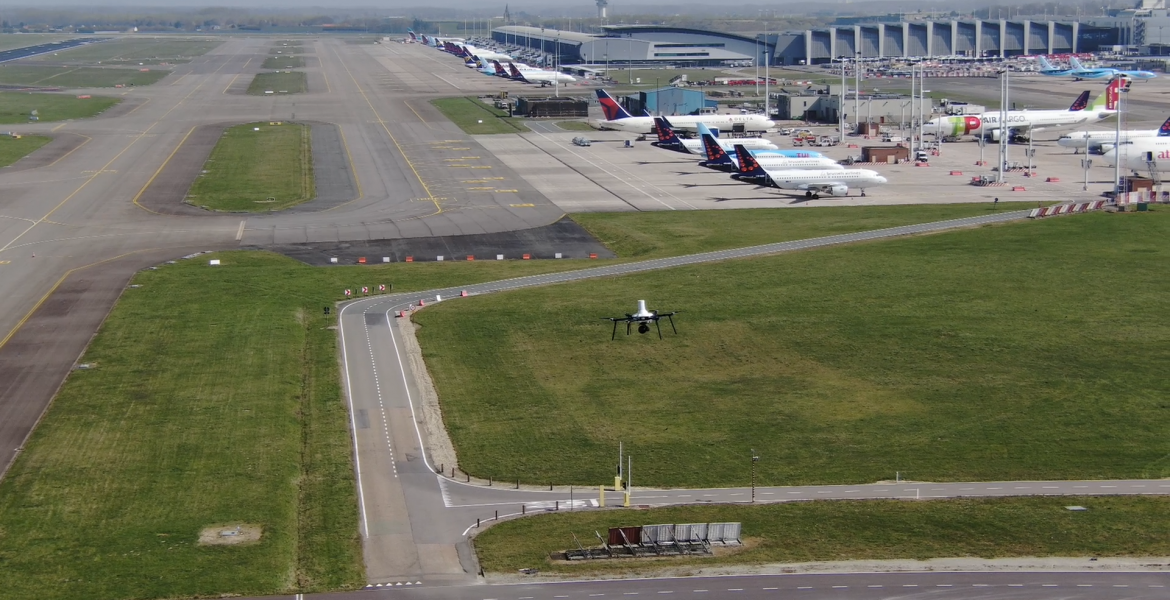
1164	130
748	167
717	157
666	137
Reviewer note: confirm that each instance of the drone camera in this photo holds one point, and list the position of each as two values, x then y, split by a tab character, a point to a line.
643	328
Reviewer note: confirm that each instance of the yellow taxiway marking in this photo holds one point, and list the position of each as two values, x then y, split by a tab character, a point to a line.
382	122
32	310
233	81
176	82
59	126
87	140
461	158
470	166
507	191
352	169
424	121
481	188
522	205
5	262
160	169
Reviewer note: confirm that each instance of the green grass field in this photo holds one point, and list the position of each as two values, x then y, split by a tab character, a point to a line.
13	149
467	112
574	126
280	82
853	530
134	50
1027	351
283	62
77	77
24	40
671	233
15	107
215	399
257	171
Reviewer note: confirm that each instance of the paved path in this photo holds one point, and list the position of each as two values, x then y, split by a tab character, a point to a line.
413	519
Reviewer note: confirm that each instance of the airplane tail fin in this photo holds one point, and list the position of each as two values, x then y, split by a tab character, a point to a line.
1081	102
1076	64
1164	130
748	167
716	156
514	71
499	68
1109	98
613	111
412	36
1044	64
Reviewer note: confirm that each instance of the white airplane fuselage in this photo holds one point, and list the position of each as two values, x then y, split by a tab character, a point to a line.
690	123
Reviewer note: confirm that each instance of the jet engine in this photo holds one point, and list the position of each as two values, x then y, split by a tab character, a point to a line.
839	190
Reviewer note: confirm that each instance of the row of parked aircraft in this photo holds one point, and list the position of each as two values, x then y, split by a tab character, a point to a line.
766	165
1026	122
620	119
489	62
1077	71
1142	153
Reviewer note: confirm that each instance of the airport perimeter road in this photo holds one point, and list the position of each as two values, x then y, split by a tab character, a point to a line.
415	523
860	586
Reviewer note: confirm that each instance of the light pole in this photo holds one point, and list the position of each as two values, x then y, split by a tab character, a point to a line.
755	459
841	104
857	87
767	63
1117	139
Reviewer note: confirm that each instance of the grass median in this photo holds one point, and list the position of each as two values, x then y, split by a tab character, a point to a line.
13	149
280	82
851	530
476	118
77	77
17	107
283	62
1017	352
257	167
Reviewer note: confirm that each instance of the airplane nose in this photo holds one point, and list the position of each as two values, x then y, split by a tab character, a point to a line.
770	123
882	179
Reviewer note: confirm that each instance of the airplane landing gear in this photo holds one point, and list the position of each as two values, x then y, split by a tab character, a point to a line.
808	194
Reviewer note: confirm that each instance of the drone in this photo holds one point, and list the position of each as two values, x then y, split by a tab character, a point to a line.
643	318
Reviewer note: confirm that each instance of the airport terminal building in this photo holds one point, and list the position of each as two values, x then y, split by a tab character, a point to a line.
637	44
649	44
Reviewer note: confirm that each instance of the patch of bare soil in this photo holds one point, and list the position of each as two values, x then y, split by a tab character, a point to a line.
232	534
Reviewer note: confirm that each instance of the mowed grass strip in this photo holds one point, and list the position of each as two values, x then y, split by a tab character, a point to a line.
13	149
257	171
672	233
77	77
214	399
280	82
468	112
852	530
1034	350
283	62
17	107
575	126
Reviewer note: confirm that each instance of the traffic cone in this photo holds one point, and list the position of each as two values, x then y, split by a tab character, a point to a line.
463	294
422	302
